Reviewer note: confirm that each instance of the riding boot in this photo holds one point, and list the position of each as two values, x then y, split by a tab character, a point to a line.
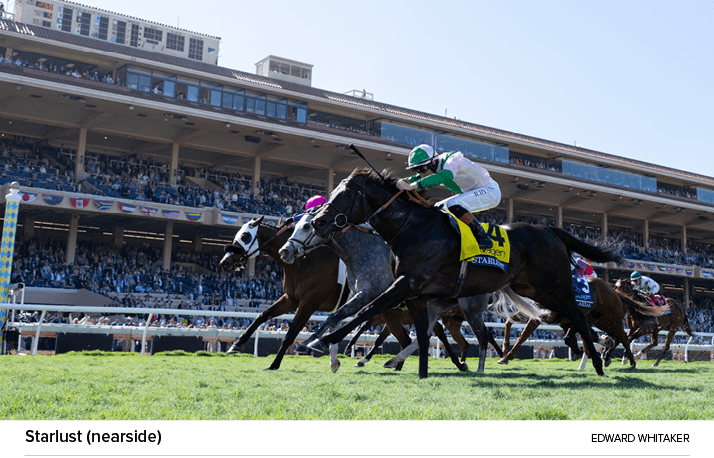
483	240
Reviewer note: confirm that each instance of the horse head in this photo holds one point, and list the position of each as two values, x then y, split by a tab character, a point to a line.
244	246
302	241
624	286
350	202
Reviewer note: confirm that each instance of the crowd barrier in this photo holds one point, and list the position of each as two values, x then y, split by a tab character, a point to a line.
147	333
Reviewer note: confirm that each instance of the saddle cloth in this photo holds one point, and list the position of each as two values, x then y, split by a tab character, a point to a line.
583	295
660	305
498	256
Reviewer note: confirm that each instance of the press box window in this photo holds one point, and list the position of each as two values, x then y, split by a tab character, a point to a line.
153	34
175	42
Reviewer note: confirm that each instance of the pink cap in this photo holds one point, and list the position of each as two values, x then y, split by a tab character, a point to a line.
315	201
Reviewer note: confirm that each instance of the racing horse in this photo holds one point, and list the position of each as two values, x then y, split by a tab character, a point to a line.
367	257
653	319
309	286
607	314
427	264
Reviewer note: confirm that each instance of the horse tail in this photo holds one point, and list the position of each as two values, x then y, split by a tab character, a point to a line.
505	299
601	254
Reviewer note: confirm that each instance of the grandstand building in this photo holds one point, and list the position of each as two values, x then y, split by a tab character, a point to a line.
75	93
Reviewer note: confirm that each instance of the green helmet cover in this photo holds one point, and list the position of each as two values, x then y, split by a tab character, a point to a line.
419	156
635	275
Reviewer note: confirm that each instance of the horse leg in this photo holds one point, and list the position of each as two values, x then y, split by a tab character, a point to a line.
350	308
439	331
619	334
453	324
398	292
374	322
422	326
665	349
280	307
525	334
302	315
473	307
507	334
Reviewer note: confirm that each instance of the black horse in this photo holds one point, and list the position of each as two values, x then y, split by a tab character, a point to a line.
426	261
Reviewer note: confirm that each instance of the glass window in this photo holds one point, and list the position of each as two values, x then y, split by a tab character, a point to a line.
238	101
192	93
153	34
227	101
169	89
271	109
215	98
144	83
705	195
174	41
132	81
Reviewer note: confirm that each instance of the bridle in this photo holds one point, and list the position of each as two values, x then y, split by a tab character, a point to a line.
231	248
340	220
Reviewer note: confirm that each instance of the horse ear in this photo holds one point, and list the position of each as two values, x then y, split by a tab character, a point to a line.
257	221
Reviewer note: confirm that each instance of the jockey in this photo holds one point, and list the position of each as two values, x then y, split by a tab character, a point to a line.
315	201
312	202
476	190
581	268
645	286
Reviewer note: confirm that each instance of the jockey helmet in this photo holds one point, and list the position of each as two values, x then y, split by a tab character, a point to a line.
315	201
635	276
421	155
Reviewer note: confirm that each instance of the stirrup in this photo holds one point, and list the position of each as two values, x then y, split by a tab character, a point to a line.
484	242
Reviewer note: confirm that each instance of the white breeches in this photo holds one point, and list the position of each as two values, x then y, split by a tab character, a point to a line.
477	199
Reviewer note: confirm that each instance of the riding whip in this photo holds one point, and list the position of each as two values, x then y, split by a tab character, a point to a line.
359	153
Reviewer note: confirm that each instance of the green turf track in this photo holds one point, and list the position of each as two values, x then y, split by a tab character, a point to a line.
175	387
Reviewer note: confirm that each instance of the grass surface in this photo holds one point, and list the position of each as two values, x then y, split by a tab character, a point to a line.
85	386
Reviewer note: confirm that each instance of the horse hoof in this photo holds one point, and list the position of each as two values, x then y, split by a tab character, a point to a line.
360	363
390	364
301	349
602	375
464	367
233	350
318	346
335	365
607	362
503	361
272	368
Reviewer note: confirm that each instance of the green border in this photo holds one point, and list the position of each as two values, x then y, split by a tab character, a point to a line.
366	439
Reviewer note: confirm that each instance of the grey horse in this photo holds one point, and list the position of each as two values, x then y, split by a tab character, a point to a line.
367	259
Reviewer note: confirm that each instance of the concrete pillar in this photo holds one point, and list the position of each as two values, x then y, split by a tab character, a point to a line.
118	237
559	217
250	267
646	233
604	227
198	243
330	181
168	242
28	227
686	291
72	239
174	162
684	239
256	175
79	171
509	211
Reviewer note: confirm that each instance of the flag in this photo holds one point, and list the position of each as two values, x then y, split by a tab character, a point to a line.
123	206
52	199
171	214
103	204
27	197
79	203
229	219
148	211
193	216
689	272
706	274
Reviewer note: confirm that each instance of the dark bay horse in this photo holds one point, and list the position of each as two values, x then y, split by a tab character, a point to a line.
652	320
606	314
367	260
309	286
426	258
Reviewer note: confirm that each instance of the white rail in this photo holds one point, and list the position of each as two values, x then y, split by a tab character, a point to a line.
141	333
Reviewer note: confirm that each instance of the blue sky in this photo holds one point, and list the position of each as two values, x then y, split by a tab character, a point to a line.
631	78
